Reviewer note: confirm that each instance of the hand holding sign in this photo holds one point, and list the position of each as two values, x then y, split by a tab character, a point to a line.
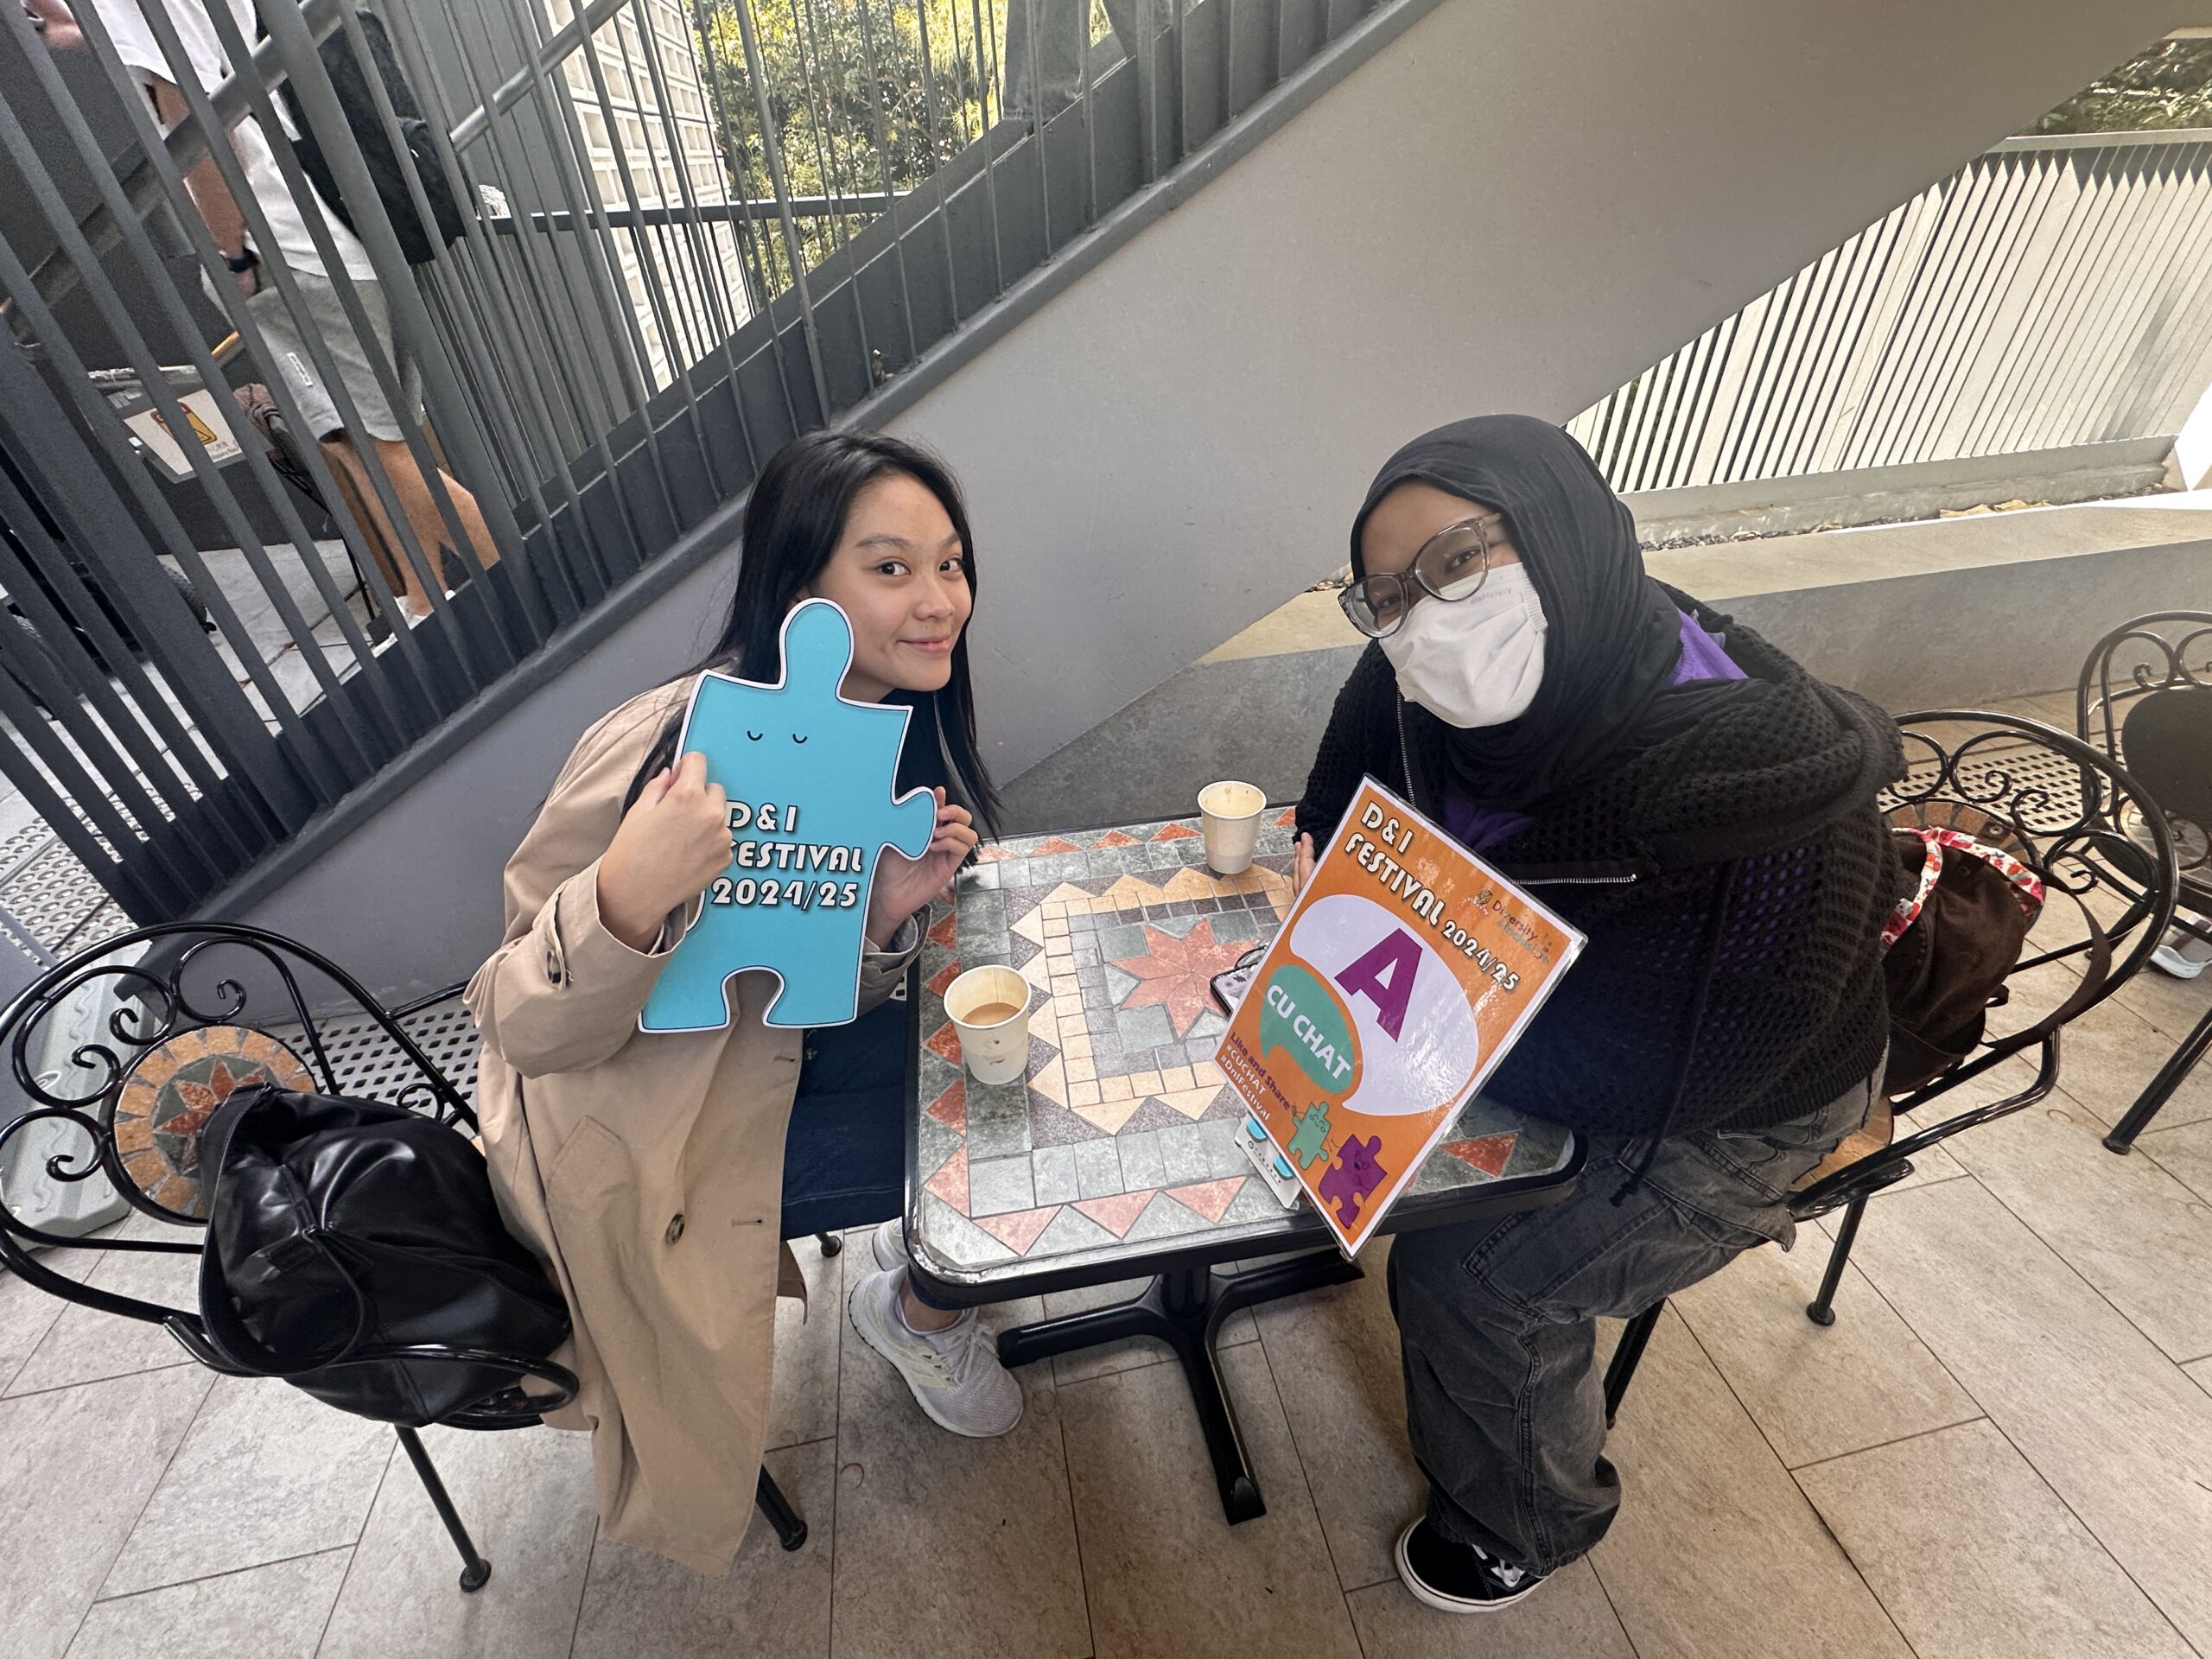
1403	975
807	776
672	841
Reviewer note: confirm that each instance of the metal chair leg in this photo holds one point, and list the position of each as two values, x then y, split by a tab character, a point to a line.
790	1530
475	1570
2161	1088
1628	1353
830	1243
1821	1309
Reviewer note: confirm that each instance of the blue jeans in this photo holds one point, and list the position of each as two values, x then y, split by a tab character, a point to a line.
1497	1321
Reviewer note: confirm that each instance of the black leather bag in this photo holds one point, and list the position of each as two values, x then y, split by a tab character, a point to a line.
341	1233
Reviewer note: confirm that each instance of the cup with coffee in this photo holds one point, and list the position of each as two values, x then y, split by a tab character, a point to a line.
989	1008
1229	813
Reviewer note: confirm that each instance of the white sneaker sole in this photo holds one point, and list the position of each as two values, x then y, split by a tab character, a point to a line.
864	1328
1436	1599
875	1240
2173	962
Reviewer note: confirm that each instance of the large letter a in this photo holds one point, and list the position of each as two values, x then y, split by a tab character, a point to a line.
1385	977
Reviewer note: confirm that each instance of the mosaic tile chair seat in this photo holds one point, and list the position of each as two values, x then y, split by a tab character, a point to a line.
1125	1130
187	1014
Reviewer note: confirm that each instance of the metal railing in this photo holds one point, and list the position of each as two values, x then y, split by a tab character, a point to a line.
680	232
2056	292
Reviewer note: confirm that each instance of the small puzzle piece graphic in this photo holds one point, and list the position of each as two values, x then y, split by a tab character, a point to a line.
795	900
1353	1177
1312	1129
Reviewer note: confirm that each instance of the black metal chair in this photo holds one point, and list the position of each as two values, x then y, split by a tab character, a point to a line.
2053	801
180	1042
2139	702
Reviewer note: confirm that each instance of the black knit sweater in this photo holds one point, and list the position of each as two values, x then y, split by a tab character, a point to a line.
1732	880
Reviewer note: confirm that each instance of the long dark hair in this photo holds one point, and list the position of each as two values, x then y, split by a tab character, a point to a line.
792	523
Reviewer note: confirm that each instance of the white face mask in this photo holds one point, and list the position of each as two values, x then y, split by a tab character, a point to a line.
1473	661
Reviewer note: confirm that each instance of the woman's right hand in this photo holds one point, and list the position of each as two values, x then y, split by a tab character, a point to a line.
671	843
1305	863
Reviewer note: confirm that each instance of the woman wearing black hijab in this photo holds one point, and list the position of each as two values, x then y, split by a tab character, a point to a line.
1703	809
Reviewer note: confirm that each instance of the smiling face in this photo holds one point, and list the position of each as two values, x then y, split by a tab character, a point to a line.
898	572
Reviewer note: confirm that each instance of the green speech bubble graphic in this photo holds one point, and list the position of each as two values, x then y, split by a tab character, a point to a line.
1301	1015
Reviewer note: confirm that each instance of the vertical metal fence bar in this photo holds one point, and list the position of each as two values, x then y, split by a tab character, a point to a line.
748	225
943	213
834	182
539	622
2185	319
555	111
772	151
1036	113
92	719
529	251
99	418
93	277
2097	207
721	322
296	52
870	64
436	685
648	271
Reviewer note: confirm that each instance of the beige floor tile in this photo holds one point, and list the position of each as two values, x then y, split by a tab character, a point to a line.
2129	1228
1164	1572
1335	1358
276	1611
2114	1426
1817	1392
1715	1551
86	1343
1111	1356
1568	1619
2201	1370
770	1605
266	1473
2183	1151
2173	1004
76	1466
933	1530
526	1499
2108	1054
27	1313
1976	1558
804	1404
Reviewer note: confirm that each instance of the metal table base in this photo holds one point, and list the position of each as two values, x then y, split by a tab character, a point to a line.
1184	1307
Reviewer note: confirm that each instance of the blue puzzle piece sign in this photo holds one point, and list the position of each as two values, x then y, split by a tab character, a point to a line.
809	775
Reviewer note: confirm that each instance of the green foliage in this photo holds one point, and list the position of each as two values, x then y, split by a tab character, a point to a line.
865	96
2166	87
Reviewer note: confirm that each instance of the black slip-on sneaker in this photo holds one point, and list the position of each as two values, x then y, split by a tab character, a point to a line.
1458	1578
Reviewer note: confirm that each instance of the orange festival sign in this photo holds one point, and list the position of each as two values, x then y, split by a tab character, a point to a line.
1400	978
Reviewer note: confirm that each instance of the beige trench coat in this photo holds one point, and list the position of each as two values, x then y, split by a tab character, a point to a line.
645	1169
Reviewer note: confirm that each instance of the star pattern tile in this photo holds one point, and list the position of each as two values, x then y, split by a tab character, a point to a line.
1178	974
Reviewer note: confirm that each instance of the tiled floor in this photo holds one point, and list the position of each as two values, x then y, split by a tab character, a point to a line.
2003	1447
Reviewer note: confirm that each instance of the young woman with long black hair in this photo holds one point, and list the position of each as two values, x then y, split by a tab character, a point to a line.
648	1169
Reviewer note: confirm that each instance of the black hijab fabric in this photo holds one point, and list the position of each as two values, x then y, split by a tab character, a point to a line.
1614	636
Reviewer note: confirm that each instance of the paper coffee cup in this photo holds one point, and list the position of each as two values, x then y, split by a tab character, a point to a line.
989	1008
1229	813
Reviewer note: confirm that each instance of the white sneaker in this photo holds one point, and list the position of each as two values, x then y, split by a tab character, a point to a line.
955	1373
2181	956
889	1244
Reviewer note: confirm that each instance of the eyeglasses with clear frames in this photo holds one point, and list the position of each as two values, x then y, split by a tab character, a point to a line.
1451	565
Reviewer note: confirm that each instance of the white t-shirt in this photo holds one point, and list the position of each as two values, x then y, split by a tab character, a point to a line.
142	53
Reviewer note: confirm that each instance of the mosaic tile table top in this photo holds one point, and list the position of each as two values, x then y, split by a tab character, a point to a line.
1124	1133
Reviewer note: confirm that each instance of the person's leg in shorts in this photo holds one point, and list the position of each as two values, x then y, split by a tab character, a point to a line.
379	425
1497	1327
